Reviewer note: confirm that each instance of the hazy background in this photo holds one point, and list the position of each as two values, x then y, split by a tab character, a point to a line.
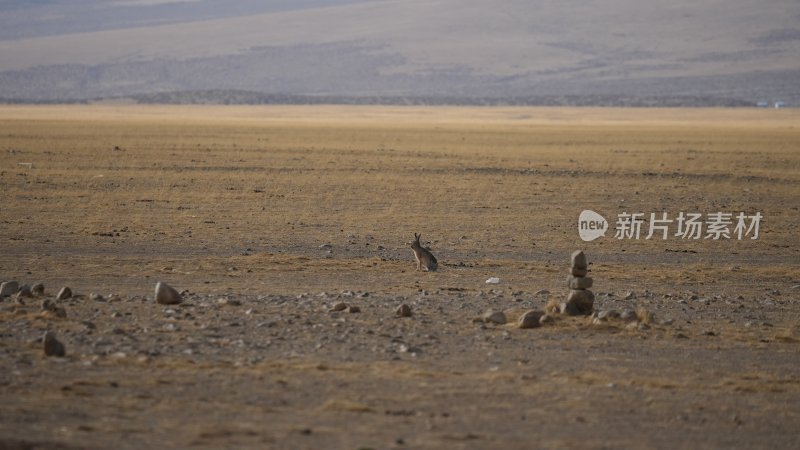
627	52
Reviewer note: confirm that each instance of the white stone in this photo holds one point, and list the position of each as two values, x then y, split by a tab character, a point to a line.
166	294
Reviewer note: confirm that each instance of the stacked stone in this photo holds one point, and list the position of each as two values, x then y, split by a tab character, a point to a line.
580	299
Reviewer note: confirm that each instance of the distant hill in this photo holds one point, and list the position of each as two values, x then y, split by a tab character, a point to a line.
619	52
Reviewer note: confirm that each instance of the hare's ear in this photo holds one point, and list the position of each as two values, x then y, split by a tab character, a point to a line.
417	236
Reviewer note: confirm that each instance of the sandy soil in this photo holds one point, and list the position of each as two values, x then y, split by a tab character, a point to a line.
267	217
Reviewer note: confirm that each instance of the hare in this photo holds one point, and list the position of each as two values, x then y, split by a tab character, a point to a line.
424	257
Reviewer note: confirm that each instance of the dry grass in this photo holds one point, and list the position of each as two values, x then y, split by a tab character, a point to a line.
189	189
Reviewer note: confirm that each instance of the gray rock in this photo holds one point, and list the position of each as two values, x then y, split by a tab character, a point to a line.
630	295
542	292
341	306
52	309
24	292
403	311
8	288
64	293
166	294
579	272
228	302
52	346
38	289
495	317
579	282
531	319
353	309
96	297
568	309
578	260
608	314
581	301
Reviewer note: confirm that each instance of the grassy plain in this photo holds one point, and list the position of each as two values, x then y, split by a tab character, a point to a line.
286	208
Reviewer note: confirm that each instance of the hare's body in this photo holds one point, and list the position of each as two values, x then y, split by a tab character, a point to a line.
424	257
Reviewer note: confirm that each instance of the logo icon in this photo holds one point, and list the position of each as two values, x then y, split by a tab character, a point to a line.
591	225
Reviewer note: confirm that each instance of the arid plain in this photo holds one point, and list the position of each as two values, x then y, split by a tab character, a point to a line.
268	217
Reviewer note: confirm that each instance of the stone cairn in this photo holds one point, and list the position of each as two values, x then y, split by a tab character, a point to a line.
580	299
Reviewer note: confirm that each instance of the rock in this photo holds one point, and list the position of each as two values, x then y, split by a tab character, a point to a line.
630	296
24	292
579	282
8	288
546	319
531	319
578	260
493	280
341	306
414	351
403	311
228	302
166	294
581	301
64	293
608	314
51	308
52	346
353	309
542	292
579	272
568	309
96	297
628	315
37	289
495	317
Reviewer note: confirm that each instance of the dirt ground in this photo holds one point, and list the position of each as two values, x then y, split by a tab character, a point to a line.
268	217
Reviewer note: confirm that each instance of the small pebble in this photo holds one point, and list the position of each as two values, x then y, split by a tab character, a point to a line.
37	289
166	294
608	314
403	311
531	319
341	306
52	346
228	302
495	317
8	288
64	294
24	292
